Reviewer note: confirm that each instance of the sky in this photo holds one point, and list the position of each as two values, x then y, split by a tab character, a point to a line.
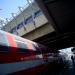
10	6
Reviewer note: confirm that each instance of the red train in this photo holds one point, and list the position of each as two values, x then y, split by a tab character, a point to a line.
19	56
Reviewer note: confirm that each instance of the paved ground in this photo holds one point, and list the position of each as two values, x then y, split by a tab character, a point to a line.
68	69
55	68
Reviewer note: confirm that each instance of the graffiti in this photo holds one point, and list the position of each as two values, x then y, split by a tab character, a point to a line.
26	21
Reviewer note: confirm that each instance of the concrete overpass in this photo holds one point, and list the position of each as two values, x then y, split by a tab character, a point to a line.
32	24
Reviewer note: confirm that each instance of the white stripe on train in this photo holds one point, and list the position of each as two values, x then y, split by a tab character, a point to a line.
19	66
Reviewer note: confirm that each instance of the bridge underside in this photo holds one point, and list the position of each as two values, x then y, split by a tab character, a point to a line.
56	42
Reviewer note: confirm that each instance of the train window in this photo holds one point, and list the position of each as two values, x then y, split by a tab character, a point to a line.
4	49
22	48
3	39
43	48
3	43
36	48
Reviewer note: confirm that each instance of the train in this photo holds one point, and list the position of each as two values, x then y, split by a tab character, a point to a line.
20	56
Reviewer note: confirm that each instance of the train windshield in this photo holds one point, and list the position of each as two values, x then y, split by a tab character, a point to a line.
3	44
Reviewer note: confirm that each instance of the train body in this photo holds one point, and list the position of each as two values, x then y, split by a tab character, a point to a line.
20	56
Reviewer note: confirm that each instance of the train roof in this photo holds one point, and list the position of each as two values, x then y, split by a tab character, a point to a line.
15	41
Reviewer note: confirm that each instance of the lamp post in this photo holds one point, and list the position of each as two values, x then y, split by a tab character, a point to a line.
20	9
13	15
1	22
30	4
